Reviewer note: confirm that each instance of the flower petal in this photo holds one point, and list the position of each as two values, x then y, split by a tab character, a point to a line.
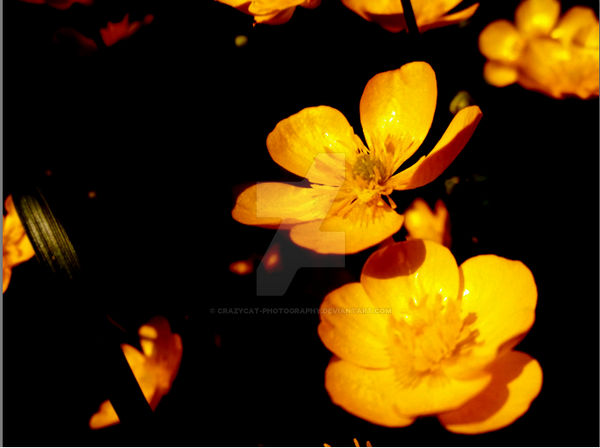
366	393
429	167
516	381
272	204
502	294
364	226
449	19
314	143
396	111
499	75
396	274
501	41
105	416
573	21
537	17
353	329
376	396
365	8
423	224
439	393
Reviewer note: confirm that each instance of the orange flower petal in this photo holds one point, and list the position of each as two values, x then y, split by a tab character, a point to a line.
16	247
406	271
421	223
501	41
396	111
375	395
259	7
573	21
548	66
499	75
537	17
105	416
363	227
238	4
271	204
516	381
154	370
314	143
439	393
367	9
429	167
449	19
366	393
502	294
353	329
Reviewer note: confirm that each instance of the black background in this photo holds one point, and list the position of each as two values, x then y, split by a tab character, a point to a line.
167	126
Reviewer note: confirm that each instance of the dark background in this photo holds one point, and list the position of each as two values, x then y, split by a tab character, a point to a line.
167	126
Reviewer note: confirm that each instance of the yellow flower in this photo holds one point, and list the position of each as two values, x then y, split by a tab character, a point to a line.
154	369
423	224
16	247
428	13
342	209
272	12
541	51
420	336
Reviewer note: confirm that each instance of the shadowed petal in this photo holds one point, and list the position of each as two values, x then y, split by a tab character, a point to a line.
429	167
516	381
398	274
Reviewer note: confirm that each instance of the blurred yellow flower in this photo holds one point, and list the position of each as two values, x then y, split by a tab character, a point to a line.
272	12
342	208
421	336
16	247
543	51
154	368
423	224
428	13
356	444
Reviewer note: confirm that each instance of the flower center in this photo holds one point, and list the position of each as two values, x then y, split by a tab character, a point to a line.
428	333
369	178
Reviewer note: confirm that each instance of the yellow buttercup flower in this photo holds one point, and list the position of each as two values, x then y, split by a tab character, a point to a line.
16	247
428	13
423	336
422	223
345	206
154	368
543	51
271	12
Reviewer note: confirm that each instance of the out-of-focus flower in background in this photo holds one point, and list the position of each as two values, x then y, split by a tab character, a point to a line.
271	12
543	51
70	37
421	336
59	4
114	32
16	247
422	223
154	368
428	13
356	444
342	208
